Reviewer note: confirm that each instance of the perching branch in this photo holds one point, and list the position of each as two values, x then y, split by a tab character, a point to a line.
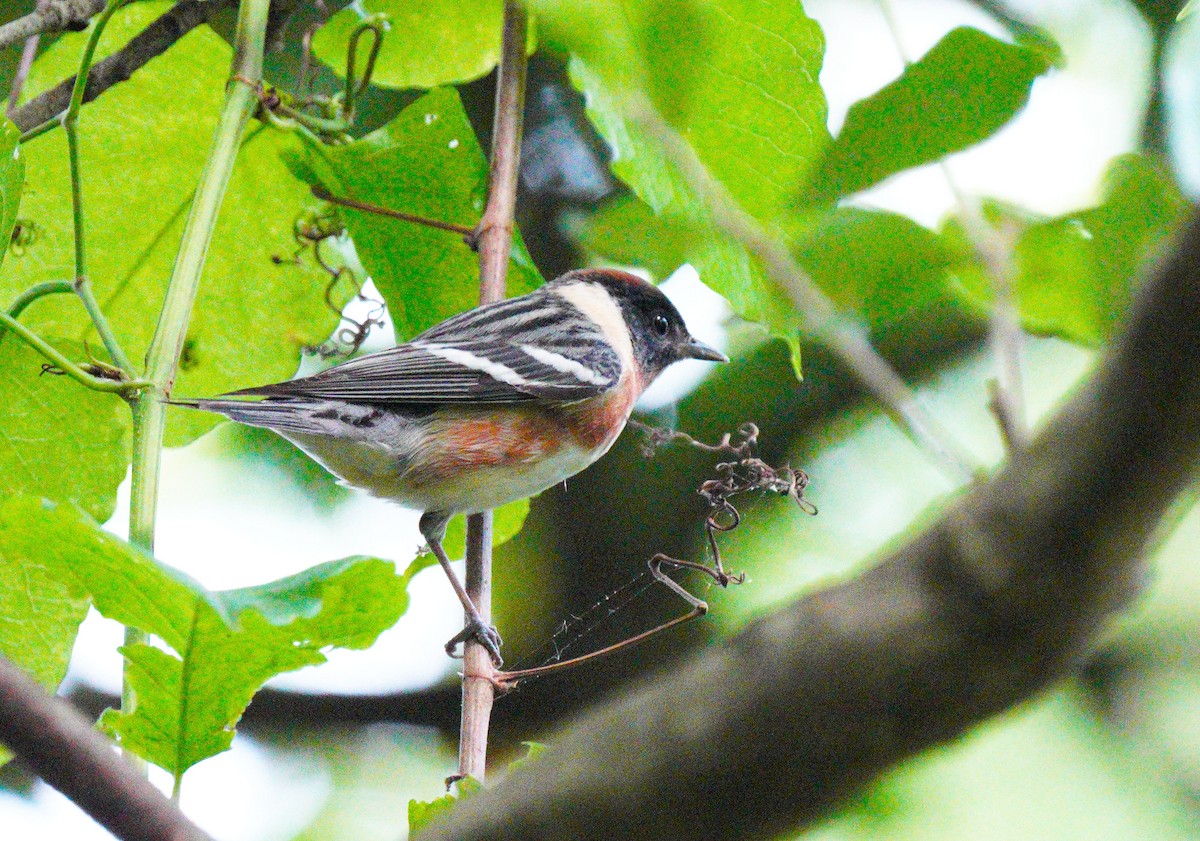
63	748
153	41
50	16
820	315
493	238
999	598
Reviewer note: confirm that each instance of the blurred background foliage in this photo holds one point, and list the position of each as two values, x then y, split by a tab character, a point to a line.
1093	174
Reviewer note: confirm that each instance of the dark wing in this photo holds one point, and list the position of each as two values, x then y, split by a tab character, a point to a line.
534	347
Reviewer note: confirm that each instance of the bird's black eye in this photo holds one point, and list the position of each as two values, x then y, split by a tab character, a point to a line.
661	325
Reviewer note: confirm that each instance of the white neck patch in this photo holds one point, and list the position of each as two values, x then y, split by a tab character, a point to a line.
593	300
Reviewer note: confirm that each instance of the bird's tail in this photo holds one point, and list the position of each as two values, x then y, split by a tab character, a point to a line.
282	416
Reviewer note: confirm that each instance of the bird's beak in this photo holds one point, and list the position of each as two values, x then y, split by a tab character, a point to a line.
696	349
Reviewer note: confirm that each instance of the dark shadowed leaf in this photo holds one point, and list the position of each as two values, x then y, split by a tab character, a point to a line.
426	162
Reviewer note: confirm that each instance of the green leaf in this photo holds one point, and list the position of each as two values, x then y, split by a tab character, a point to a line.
12	178
506	524
437	42
960	93
57	439
881	265
1075	274
223	645
40	609
746	98
532	751
189	701
143	145
426	162
422	813
626	231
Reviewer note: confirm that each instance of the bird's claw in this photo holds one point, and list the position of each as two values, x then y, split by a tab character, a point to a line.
486	635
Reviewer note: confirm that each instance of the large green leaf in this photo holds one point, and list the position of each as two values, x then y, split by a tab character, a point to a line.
739	80
189	701
961	92
437	42
58	439
1075	273
222	646
143	146
426	162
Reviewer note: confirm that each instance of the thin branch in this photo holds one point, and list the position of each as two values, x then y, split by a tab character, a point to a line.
996	600
325	195
42	112
995	249
50	16
63	748
820	315
38	290
112	381
28	54
494	240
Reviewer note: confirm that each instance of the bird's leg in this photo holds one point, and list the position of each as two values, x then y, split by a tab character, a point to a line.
433	529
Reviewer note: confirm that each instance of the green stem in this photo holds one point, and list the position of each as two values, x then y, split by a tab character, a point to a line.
375	24
149	412
70	123
123	386
41	128
38	290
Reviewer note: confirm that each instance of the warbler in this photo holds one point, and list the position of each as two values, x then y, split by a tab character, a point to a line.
493	405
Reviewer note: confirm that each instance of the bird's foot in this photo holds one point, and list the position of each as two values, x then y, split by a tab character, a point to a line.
485	634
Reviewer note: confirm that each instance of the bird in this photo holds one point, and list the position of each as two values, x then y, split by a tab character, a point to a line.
492	405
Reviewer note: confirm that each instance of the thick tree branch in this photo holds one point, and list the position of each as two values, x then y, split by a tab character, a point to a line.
50	16
1000	597
64	750
153	41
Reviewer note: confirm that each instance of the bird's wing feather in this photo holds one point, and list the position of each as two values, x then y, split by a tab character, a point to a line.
536	347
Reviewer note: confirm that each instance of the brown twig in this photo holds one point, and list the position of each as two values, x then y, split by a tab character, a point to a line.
50	16
466	231
28	54
63	748
153	41
493	238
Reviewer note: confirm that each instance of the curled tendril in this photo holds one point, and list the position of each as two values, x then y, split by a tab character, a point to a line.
746	473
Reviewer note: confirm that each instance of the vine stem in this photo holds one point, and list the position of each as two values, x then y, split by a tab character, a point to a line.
70	124
149	412
494	240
